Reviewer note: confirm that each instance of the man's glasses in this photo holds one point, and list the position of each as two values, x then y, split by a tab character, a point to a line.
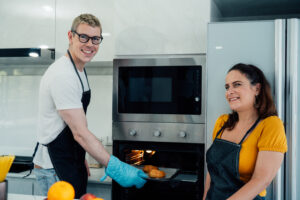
85	38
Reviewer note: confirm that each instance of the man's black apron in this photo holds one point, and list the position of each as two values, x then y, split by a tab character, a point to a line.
223	165
67	156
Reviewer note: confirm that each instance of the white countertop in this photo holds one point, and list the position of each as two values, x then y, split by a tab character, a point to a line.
96	174
23	197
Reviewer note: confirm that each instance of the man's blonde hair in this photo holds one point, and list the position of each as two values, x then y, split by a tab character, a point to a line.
86	19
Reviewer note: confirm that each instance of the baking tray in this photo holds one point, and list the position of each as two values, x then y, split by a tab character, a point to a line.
170	172
186	177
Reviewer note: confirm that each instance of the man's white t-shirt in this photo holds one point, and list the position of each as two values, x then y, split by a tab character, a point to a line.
60	89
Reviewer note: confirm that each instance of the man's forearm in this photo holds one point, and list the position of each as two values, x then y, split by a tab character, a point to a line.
76	120
93	146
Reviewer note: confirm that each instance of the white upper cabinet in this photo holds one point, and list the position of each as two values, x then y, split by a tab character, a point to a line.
67	10
129	26
135	27
27	24
161	27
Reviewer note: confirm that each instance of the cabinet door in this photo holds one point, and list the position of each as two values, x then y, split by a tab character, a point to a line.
20	186
67	10
27	24
36	189
161	27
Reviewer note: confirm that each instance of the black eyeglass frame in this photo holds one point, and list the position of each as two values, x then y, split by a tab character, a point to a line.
93	38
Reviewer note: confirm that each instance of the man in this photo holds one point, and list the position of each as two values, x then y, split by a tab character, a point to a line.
63	136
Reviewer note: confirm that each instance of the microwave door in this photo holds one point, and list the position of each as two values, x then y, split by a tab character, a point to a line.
159	90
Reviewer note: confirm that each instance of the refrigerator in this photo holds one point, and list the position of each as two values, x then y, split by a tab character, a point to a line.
273	46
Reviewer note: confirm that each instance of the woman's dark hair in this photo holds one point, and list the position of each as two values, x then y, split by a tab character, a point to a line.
263	102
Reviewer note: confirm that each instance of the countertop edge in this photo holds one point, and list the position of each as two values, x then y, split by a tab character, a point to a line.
96	174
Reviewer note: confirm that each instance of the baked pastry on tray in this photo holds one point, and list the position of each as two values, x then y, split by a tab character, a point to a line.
148	168
155	173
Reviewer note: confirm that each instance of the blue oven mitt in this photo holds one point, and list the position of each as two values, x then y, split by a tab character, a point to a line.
124	174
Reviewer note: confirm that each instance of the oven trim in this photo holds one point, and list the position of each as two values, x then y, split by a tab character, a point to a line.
159	132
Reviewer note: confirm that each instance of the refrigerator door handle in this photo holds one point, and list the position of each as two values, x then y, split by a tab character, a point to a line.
280	25
292	177
280	35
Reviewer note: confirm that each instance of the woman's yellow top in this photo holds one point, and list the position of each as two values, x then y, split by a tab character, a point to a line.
268	135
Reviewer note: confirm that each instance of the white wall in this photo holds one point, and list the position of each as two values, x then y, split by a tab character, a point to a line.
99	113
18	108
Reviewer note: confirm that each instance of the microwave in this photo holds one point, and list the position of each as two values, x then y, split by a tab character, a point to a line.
163	89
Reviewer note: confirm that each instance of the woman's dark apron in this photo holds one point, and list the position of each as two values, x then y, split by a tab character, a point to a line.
223	165
67	156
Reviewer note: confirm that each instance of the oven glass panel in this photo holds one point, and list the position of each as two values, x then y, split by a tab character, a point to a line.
183	165
160	90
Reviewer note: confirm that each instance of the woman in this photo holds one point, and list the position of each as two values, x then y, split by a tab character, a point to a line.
249	144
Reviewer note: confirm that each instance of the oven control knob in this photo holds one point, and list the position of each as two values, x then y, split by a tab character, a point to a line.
182	134
157	133
132	133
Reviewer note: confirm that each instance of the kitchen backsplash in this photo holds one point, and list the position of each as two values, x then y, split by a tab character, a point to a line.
19	107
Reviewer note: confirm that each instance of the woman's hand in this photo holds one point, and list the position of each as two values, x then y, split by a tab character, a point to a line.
206	186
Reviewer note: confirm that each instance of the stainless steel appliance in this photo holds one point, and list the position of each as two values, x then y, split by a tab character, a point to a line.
159	119
272	45
159	98
26	56
159	89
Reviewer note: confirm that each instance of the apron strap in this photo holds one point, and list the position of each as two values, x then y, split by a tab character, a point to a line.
249	131
252	127
220	131
77	72
31	168
87	80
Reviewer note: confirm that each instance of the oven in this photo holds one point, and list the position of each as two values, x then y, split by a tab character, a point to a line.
184	161
159	119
